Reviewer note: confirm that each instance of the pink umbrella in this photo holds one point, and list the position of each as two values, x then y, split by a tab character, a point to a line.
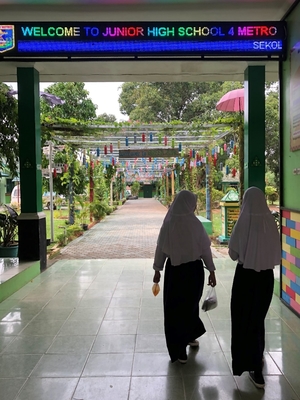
232	101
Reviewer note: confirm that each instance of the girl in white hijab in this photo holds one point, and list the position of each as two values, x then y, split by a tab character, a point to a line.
255	244
184	242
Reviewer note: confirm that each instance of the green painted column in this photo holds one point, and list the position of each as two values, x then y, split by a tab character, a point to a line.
32	220
254	127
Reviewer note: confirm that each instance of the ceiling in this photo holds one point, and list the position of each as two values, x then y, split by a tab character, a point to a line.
141	10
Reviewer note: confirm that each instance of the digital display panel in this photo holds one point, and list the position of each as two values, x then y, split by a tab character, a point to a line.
102	39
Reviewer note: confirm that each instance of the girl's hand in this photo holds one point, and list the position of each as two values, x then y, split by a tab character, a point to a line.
212	279
156	277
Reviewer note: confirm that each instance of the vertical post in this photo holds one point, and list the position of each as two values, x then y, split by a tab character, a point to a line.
111	192
167	185
172	184
91	183
208	198
254	127
71	193
51	190
32	220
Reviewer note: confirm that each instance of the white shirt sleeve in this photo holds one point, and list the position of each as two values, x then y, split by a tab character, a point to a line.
159	259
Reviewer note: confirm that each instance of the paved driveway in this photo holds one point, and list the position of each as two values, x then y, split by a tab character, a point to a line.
130	232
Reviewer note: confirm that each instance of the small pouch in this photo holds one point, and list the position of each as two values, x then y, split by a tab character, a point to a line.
155	289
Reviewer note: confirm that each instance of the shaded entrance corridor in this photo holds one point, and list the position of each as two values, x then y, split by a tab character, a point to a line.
91	329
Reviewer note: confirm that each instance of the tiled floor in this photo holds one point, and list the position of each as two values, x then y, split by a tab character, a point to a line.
10	267
91	329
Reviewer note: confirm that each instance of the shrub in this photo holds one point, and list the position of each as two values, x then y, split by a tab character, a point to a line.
271	193
99	209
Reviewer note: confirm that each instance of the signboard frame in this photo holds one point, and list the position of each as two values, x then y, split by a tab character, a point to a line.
73	40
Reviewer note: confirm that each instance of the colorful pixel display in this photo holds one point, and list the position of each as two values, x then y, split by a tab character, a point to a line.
290	289
141	38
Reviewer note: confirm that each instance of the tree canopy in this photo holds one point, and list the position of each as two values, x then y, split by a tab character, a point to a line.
9	134
167	101
77	104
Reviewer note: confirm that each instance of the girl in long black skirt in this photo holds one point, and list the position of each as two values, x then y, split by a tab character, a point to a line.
256	245
184	243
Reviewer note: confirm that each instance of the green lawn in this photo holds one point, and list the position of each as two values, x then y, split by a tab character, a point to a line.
57	222
216	221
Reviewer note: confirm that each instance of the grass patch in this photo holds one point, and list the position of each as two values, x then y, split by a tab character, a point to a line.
216	221
59	219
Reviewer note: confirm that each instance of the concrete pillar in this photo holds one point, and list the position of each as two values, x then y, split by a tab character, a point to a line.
32	220
254	127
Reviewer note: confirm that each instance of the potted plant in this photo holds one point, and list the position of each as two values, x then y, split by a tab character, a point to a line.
8	232
84	214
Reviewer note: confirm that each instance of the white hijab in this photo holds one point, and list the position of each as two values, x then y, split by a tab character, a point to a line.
182	236
255	237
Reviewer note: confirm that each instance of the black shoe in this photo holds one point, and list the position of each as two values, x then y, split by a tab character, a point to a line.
257	378
183	357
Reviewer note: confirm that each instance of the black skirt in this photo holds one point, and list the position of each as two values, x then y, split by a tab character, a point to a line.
250	300
183	287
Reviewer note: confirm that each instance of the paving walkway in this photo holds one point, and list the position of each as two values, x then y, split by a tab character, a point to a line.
130	232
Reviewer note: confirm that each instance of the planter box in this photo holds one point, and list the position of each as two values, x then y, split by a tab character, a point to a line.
9	251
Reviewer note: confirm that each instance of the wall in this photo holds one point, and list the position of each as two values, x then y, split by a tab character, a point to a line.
290	270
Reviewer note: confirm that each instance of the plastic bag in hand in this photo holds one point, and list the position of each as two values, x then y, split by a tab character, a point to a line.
155	289
210	302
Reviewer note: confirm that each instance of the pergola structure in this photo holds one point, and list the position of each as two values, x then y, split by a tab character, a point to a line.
148	150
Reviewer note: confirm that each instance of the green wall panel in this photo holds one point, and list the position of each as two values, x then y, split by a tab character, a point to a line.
291	159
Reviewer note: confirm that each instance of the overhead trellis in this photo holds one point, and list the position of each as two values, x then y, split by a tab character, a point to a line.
148	146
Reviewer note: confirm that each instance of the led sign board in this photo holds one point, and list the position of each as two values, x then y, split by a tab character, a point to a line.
102	39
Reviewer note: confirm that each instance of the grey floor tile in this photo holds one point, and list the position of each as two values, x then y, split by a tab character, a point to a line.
126	327
94	303
211	388
108	365
48	389
213	363
12	328
60	366
80	345
277	388
155	343
156	388
49	314
147	326
17	365
114	344
42	328
29	345
9	387
117	313
125	302
5	341
86	314
104	388
150	313
88	327
155	364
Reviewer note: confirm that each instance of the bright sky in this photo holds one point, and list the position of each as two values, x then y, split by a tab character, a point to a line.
104	94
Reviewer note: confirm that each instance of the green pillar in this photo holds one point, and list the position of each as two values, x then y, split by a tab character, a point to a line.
254	127
32	220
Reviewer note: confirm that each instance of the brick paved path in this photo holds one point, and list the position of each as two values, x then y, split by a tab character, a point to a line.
130	232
